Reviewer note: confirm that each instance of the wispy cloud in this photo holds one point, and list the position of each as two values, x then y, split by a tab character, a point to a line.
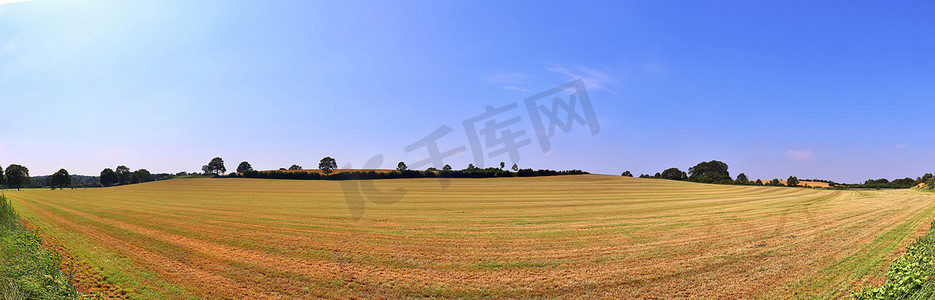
801	155
516	81
5	2
509	80
655	69
515	88
593	78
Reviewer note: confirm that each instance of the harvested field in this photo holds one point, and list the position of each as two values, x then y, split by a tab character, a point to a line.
803	183
582	235
333	171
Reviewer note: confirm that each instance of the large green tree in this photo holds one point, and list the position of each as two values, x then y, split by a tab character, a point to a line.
327	165
792	181
673	174
216	166
143	175
243	167
922	180
401	167
742	179
109	177
60	179
17	176
627	174
123	174
295	167
710	172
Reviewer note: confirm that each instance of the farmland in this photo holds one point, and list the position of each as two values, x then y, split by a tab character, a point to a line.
581	235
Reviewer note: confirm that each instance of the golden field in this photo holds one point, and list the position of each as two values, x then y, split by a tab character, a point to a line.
562	236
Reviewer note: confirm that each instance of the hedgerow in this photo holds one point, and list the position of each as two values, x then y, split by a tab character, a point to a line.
28	270
911	276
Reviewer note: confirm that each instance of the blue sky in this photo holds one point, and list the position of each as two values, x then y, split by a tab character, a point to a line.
838	90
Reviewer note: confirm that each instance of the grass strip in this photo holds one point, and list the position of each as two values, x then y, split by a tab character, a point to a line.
910	276
28	270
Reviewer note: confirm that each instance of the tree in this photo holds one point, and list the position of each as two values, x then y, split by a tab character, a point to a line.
432	169
759	182
244	166
295	168
792	181
673	174
926	177
502	165
143	175
109	177
742	179
515	168
60	179
2	178
206	170
775	182
627	174
216	166
327	165
471	167
709	172
401	167
123	174
17	176
447	168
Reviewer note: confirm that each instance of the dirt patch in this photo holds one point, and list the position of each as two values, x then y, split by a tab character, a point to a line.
89	282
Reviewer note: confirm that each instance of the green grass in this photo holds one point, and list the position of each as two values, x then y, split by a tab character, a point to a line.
912	276
28	270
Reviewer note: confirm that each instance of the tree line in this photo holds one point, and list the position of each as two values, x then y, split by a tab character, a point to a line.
713	172
17	177
123	176
327	165
903	183
717	172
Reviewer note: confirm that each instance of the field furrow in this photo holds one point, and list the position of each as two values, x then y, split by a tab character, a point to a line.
584	235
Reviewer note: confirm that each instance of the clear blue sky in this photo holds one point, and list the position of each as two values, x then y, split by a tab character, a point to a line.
840	90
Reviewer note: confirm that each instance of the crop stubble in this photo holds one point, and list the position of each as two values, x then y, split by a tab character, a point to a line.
540	237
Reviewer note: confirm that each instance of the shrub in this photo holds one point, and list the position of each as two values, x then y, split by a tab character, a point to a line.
29	271
910	276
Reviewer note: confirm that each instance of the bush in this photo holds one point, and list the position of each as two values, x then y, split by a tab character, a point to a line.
525	173
910	276
29	271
